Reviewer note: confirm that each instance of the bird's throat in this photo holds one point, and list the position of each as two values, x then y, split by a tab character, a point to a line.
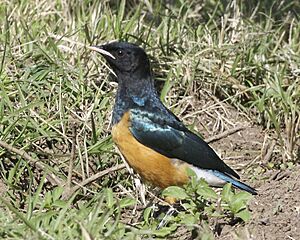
133	92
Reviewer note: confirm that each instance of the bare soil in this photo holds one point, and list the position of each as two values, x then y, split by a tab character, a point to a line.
276	208
275	211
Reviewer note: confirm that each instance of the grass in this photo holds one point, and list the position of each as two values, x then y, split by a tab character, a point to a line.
57	96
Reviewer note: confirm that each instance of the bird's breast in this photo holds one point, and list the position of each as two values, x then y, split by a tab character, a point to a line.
151	165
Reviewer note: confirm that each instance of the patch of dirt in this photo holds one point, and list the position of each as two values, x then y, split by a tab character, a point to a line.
276	208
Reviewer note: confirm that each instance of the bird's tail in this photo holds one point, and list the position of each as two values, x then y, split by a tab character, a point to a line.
236	183
243	186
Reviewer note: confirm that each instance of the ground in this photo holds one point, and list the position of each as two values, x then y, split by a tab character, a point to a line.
276	208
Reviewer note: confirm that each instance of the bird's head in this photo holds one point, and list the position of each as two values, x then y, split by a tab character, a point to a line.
124	57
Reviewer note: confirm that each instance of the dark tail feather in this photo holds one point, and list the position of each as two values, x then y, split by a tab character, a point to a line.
243	186
236	183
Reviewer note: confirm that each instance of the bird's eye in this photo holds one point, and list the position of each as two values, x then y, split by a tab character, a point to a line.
120	53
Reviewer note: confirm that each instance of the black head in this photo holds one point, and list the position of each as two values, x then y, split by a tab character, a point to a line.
125	57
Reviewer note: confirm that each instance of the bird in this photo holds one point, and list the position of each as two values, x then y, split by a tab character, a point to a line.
153	140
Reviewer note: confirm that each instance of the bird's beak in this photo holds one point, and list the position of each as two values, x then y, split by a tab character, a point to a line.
100	50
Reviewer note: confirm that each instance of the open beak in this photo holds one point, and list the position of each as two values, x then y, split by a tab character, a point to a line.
100	50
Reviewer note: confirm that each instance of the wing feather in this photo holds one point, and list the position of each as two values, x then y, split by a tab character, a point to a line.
171	138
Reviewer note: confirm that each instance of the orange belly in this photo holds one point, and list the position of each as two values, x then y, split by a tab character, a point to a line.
149	164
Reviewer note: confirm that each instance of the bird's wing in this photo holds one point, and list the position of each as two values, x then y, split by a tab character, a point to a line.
170	137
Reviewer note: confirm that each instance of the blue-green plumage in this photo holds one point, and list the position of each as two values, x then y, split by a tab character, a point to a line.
152	124
173	140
